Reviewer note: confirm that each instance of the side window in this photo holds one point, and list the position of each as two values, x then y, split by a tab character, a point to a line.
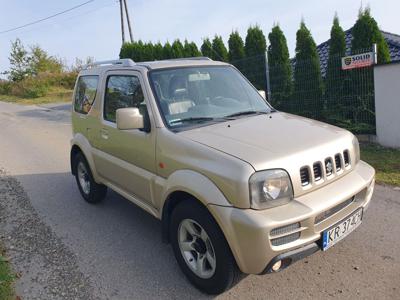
85	93
122	91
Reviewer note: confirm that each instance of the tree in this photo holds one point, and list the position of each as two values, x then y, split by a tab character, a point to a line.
236	50
360	85
167	51
308	87
177	49
365	33
148	54
280	69
254	48
126	50
158	51
19	61
190	49
206	48
40	62
219	51
335	76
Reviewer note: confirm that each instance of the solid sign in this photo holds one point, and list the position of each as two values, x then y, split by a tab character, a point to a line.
358	61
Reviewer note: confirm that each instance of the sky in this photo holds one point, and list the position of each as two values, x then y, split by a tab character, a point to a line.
94	29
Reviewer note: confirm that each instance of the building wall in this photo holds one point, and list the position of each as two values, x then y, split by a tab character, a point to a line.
387	104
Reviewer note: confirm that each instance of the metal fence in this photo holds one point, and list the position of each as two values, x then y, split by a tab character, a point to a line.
344	98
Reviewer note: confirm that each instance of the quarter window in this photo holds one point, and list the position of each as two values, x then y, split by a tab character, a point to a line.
122	91
85	93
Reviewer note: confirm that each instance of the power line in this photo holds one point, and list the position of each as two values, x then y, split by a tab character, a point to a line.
46	18
84	13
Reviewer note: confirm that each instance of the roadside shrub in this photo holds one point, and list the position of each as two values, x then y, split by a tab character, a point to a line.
5	87
30	88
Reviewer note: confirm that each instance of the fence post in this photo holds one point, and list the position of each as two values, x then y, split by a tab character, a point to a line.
267	76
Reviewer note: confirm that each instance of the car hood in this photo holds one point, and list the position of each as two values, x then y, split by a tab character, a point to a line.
277	140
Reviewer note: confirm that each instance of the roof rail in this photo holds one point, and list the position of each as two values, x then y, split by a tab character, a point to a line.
125	62
192	58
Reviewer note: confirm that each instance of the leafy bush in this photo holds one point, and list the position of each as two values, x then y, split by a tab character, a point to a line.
30	88
5	87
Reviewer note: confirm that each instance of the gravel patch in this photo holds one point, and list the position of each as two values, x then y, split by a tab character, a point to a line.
46	268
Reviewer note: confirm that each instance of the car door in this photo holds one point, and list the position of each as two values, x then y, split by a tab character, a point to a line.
126	158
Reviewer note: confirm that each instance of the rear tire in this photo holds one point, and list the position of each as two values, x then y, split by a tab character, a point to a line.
90	190
195	236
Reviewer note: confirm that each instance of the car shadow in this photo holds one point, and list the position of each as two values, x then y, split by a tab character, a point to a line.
117	244
57	114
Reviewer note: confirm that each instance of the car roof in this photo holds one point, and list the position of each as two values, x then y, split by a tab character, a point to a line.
181	62
98	68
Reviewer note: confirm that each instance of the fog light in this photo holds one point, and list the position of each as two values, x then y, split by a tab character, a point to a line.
276	266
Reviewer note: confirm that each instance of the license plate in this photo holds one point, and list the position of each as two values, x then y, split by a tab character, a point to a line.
339	231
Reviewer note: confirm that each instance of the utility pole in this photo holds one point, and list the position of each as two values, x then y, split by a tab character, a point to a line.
122	21
128	19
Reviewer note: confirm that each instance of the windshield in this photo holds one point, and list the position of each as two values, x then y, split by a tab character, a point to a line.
191	96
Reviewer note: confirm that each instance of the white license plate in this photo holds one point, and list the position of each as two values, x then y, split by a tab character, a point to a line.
336	233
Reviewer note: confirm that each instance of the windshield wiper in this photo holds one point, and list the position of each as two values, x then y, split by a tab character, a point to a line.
247	112
192	119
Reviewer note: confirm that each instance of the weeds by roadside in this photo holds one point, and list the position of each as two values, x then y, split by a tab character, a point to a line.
6	278
55	94
386	162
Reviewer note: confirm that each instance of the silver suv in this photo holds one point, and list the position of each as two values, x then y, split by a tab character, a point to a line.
237	185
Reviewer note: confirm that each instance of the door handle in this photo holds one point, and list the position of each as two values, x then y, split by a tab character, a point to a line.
104	133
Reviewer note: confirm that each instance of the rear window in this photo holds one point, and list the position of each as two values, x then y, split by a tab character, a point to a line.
85	93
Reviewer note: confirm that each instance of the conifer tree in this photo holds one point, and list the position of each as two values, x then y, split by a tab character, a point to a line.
219	51
280	69
206	48
177	49
190	49
308	87
167	51
335	76
158	51
365	33
255	47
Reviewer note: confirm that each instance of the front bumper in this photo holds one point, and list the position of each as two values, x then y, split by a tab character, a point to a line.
248	231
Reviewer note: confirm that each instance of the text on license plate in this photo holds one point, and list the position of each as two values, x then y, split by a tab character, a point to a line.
333	235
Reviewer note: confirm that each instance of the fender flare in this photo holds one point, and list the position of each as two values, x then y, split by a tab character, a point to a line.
81	142
188	184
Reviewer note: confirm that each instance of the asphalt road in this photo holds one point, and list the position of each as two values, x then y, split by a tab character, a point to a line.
118	246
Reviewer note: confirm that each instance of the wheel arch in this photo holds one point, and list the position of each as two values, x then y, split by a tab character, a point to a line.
80	144
185	185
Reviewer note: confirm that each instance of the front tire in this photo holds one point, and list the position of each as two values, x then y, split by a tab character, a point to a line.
90	190
201	250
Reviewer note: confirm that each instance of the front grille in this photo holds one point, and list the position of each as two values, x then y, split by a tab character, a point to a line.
330	212
285	239
338	162
285	229
317	171
325	169
305	176
346	158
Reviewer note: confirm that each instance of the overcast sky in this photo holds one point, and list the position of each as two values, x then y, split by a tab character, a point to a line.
94	29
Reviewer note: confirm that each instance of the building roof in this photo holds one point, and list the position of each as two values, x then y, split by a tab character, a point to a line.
393	41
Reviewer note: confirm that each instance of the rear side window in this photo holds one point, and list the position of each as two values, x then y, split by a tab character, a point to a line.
85	93
122	91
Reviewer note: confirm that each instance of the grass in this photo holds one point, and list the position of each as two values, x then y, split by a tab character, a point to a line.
386	162
6	279
56	94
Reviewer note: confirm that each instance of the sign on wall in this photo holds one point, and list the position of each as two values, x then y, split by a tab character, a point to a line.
358	61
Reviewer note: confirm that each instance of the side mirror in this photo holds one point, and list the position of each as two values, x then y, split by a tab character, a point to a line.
129	118
262	93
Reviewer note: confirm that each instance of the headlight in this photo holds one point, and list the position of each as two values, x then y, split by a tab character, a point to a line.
270	188
356	147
